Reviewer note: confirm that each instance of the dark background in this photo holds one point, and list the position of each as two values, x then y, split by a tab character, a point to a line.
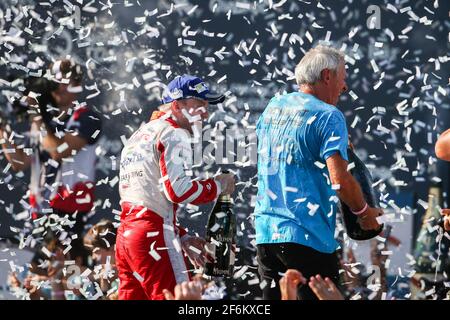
130	49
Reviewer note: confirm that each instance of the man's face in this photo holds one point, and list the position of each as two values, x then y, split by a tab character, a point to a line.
63	97
337	84
189	111
100	255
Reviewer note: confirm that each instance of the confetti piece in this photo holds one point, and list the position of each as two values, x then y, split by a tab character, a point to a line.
194	249
320	165
138	276
62	147
220	215
312	208
152	234
272	195
353	95
350	166
46	252
215	227
155	255
240	272
311	120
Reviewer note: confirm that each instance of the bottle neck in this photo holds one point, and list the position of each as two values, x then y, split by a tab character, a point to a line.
434	196
225	198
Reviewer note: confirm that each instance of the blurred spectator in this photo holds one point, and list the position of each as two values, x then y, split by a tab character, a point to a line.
63	139
289	284
191	290
100	240
54	275
324	289
46	277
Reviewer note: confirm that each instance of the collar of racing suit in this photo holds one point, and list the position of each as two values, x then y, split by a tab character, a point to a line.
157	115
166	116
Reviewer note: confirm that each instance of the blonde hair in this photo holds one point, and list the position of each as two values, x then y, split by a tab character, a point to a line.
165	107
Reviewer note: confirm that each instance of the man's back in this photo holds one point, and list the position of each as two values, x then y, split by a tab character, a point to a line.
296	202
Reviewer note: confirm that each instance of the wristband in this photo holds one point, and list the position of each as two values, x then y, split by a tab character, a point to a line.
360	211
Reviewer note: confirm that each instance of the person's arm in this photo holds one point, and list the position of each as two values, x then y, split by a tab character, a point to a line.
55	273
18	159
333	136
442	147
31	283
349	191
60	147
175	164
348	188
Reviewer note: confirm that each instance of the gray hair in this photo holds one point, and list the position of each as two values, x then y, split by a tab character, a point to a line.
308	70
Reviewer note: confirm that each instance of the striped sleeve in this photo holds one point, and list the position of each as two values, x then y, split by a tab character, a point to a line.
175	164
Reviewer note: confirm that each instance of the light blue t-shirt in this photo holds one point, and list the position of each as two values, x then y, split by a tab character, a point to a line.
296	201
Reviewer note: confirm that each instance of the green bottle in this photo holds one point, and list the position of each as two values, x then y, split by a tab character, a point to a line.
220	235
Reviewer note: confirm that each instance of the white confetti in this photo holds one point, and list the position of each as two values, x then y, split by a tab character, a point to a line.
311	120
319	164
350	166
138	276
312	208
62	147
194	249
272	195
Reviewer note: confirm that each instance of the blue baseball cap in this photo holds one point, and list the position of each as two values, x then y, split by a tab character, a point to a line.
186	86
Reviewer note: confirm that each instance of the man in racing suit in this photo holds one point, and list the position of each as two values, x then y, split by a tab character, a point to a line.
155	177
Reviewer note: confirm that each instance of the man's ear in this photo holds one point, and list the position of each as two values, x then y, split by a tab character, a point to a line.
325	76
175	106
175	109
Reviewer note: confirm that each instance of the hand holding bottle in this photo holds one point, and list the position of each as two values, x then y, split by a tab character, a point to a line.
368	219
446	216
194	247
227	182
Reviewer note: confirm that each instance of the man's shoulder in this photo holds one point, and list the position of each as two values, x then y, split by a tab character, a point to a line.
322	107
286	98
301	99
167	131
85	113
325	110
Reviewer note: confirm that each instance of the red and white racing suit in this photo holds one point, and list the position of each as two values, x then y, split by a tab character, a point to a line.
154	178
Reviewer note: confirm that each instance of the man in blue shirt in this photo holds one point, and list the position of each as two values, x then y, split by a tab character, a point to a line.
302	174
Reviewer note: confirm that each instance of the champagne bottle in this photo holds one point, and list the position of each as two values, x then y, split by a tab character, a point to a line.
431	251
364	178
426	244
220	236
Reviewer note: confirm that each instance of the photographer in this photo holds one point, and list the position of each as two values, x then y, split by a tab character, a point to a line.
59	149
